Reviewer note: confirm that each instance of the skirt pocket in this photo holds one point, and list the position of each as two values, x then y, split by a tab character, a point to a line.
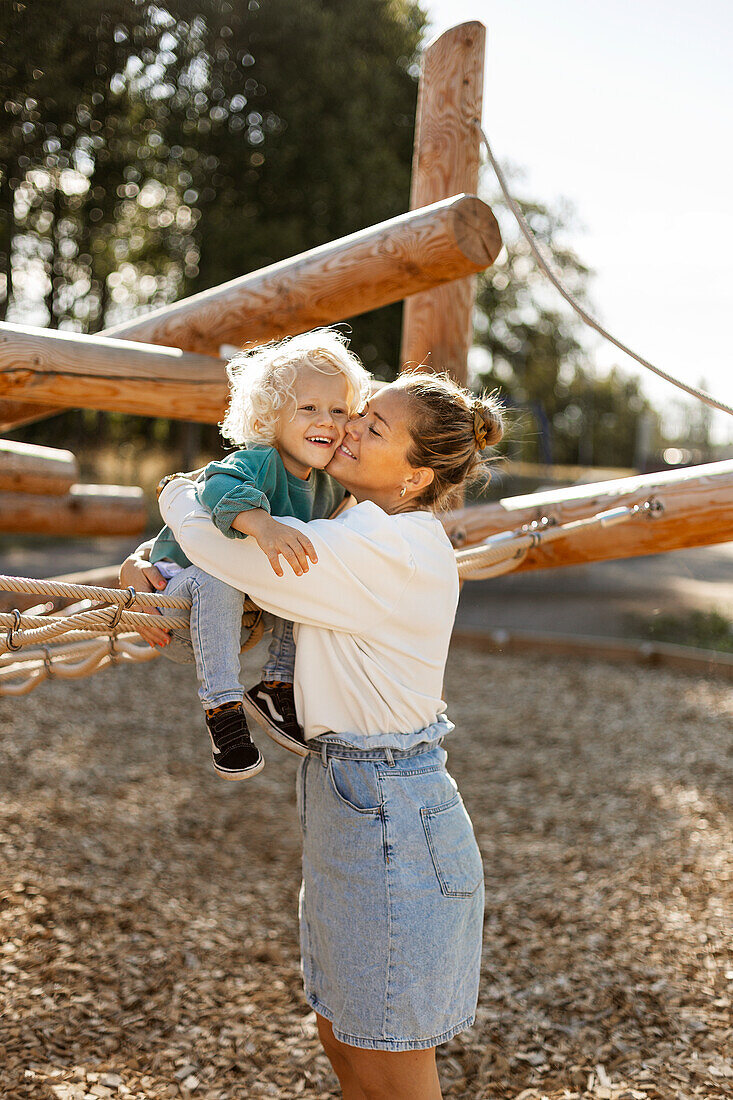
453	848
355	784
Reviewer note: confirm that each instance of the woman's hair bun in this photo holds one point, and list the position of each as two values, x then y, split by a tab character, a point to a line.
488	425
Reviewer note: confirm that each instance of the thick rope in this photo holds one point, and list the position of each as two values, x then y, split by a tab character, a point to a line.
701	395
89	622
89	592
505	551
72	647
86	638
32	629
23	676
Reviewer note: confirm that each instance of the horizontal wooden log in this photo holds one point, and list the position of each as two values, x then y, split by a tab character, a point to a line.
696	510
86	510
364	271
14	414
372	268
696	662
72	370
25	468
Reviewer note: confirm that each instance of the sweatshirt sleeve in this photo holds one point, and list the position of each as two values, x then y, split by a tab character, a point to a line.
364	563
235	485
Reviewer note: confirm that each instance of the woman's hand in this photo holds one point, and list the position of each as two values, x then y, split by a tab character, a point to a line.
144	577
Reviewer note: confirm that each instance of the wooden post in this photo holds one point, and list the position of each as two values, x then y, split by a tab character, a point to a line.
85	510
437	324
28	469
361	272
697	510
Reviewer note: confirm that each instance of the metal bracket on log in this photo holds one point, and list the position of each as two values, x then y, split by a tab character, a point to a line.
689	507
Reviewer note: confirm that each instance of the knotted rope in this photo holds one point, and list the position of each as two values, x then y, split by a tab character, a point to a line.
38	646
505	551
87	638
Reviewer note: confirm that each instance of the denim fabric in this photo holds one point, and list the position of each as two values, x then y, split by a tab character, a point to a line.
280	663
400	742
215	635
391	907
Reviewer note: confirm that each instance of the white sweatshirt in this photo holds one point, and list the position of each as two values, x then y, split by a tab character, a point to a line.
376	612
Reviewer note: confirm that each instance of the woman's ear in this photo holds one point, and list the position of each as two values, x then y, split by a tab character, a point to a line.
420	478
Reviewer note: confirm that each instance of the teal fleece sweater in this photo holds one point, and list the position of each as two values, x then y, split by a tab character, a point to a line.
254	478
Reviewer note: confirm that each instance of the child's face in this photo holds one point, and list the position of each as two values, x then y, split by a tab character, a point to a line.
310	428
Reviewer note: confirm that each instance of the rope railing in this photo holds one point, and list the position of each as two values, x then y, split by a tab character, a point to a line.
505	551
570	298
37	647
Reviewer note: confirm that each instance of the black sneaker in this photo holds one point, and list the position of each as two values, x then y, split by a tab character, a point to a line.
233	752
272	704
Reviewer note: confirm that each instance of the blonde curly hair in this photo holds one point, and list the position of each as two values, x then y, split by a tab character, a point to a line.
261	381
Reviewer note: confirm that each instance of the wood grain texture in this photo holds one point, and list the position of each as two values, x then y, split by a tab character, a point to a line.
437	324
14	414
85	510
71	370
25	468
697	511
361	272
366	270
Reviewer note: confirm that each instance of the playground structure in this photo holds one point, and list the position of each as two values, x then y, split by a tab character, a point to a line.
429	257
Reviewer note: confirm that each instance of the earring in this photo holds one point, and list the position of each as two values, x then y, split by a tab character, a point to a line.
403	490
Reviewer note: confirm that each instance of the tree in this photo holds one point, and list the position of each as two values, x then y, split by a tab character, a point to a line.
155	151
537	358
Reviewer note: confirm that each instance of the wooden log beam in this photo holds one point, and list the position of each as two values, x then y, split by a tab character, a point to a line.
437	324
697	662
70	370
25	468
696	510
14	414
85	510
361	272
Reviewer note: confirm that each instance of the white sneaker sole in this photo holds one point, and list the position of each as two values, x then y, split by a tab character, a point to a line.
272	730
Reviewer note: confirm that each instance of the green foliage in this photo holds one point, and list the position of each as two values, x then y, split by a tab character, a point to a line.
701	629
151	152
537	358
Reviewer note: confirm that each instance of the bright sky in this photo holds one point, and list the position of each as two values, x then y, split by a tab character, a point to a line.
626	109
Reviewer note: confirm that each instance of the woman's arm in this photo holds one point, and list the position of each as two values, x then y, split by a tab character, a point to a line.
364	563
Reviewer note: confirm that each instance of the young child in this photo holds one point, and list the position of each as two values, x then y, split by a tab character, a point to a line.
288	408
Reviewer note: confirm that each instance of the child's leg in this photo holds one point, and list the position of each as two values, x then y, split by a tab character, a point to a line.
280	663
216	629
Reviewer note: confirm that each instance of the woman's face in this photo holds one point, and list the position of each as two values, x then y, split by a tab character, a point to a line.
371	462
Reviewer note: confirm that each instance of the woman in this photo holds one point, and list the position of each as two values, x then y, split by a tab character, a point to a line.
392	901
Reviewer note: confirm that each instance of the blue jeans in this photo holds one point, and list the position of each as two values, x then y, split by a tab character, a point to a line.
280	663
213	640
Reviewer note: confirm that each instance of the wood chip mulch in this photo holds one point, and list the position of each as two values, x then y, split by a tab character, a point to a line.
148	944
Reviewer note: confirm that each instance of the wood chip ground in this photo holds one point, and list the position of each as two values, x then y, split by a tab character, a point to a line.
149	932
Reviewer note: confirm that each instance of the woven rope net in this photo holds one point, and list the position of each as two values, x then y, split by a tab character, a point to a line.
96	631
99	629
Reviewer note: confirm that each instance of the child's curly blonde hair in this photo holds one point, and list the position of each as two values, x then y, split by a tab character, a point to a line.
261	381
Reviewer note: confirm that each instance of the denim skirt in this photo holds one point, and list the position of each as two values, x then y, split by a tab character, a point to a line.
391	906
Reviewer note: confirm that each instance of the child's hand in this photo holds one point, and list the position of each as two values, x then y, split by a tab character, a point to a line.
275	538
